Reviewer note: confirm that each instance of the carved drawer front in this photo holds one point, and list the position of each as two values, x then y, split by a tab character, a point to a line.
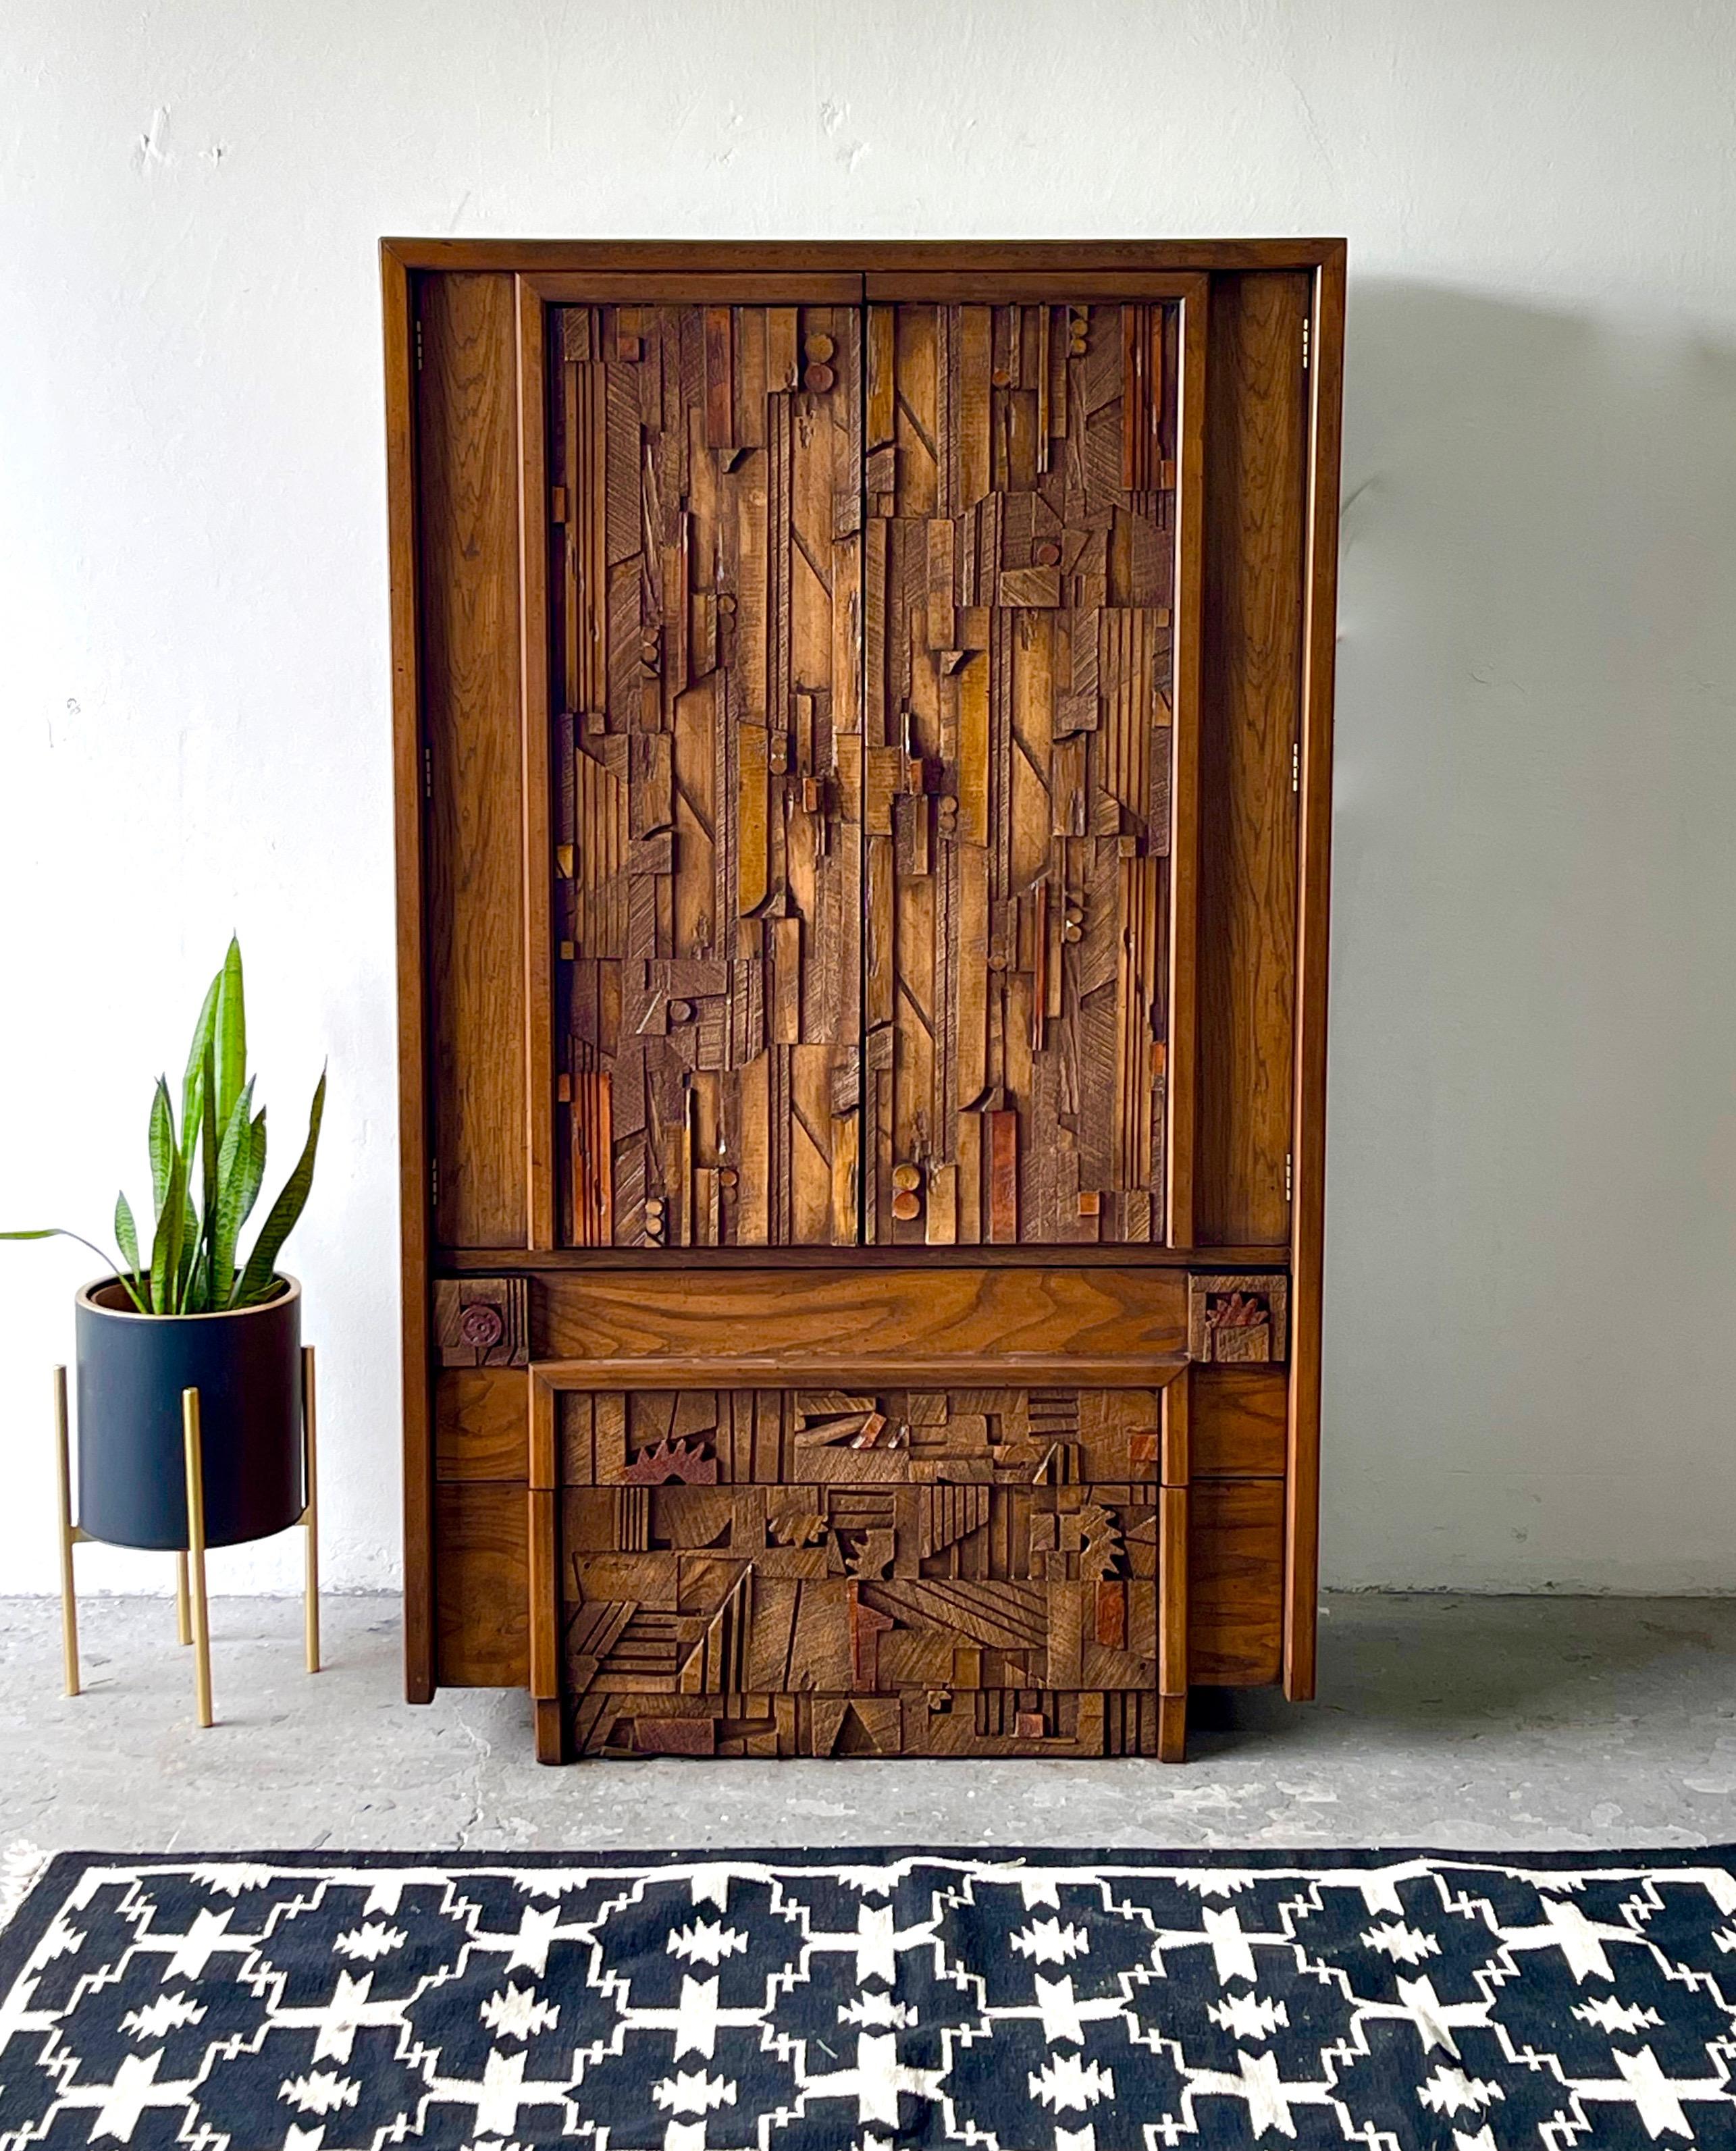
812	1571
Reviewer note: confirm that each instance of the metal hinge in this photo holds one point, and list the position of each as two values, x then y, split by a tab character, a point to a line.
428	773
434	1183
1289	1176
1296	765
1307	332
418	343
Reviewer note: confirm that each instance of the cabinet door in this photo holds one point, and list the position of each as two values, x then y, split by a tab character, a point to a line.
1027	614
706	608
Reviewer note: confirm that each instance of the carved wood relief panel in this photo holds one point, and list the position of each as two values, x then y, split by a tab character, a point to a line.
823	1571
1020	565
707	870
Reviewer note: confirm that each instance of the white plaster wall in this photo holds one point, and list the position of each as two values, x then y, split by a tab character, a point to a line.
1532	1269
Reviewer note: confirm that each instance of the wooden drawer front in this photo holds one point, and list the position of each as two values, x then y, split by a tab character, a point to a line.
865	1311
481	1423
481	1585
1236	1582
820	1573
1240	1422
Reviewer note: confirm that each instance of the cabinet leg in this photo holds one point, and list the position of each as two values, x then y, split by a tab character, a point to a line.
183	1602
195	1552
68	1582
310	1514
1172	1728
550	1741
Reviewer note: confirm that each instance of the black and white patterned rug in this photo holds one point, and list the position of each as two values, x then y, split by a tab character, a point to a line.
861	2001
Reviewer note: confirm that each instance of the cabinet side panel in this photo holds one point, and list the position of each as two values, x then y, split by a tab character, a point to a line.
466	401
1255	470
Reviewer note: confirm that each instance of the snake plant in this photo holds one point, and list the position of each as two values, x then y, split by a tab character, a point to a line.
206	1176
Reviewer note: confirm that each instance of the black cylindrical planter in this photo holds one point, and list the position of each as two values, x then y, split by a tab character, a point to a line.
132	1370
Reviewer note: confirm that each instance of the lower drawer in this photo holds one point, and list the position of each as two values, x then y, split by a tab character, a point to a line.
831	1571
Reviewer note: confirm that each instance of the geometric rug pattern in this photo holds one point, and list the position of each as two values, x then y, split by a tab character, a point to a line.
867	2000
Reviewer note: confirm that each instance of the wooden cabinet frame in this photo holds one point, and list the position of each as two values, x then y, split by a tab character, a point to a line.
548	272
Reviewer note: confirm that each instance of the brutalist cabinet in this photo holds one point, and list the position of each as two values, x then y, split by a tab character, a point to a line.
863	720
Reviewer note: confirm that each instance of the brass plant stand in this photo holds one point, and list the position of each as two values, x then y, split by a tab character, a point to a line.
192	1612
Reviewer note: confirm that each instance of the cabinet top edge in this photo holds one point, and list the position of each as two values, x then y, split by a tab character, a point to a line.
699	257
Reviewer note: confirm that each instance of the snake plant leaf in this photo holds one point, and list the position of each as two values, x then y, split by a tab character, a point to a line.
261	1263
187	1270
234	1161
255	1164
165	1253
203	1032
60	1232
230	1033
162	1145
210	1135
126	1233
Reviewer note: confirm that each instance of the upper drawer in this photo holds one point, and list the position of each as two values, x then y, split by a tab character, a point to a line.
861	1314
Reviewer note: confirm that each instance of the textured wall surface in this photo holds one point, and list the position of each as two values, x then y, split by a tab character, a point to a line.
1532	1264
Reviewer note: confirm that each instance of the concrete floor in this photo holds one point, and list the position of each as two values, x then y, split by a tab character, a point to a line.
1473	1723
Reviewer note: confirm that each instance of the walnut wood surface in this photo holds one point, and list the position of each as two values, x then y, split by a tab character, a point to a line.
707	876
1239	1422
1301	1519
409	868
480	1423
981	1311
468	594
706	257
829	1571
1256	458
482	1585
1235	1581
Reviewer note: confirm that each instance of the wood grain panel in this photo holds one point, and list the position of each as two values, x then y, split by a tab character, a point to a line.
1239	1422
707	258
480	1428
414	1190
706	867
1020	593
1235	1581
1256	460
468	562
482	1584
823	1571
1307	1221
643	1313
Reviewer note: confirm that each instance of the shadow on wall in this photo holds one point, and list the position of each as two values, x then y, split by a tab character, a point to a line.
1532	1234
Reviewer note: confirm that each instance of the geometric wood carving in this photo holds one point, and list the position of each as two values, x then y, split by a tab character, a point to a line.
1019	581
1238	1319
707	870
482	1322
824	1571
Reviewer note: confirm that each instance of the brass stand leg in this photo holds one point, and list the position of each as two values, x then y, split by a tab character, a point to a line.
68	1589
183	1610
195	1549
310	1514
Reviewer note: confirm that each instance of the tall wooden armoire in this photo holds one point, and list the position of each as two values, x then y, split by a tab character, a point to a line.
864	722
